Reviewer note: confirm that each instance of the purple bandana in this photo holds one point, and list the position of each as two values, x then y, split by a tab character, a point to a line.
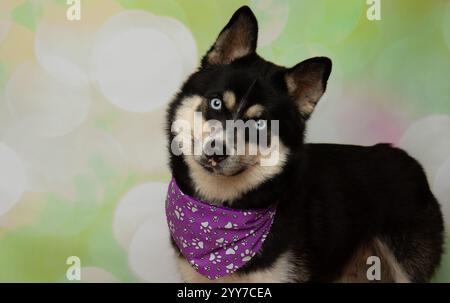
215	240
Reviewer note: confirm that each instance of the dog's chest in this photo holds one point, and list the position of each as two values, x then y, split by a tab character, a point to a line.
283	270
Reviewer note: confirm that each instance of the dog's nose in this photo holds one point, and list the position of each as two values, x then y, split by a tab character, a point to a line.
215	153
214	159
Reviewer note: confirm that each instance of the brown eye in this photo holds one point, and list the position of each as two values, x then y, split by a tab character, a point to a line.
216	104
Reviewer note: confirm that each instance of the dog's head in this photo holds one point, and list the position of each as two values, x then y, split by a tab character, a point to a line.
238	120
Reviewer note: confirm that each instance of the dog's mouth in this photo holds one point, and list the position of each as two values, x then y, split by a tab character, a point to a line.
206	166
226	168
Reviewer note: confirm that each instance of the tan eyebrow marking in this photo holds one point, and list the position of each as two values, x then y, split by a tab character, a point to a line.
254	111
230	100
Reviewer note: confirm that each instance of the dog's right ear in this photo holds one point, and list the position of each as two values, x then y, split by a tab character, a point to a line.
238	39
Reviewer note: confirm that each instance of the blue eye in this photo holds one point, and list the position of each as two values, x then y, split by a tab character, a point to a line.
216	103
261	124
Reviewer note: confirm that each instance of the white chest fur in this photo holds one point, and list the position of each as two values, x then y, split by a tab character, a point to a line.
282	270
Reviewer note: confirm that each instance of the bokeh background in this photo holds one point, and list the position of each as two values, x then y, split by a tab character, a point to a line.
82	153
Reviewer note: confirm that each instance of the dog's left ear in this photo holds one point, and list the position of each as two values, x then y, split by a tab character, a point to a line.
238	39
306	82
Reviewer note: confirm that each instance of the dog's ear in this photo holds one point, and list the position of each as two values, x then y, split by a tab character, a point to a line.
306	82
238	39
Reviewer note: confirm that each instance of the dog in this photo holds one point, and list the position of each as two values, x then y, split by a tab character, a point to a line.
336	205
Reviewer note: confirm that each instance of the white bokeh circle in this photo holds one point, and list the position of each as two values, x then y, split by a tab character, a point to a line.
5	25
5	117
138	69
428	141
151	256
140	227
52	163
441	188
62	56
139	60
12	178
50	107
180	35
141	203
272	17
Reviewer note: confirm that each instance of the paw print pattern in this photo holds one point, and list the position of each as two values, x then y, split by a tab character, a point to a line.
179	213
190	206
171	226
213	238
205	227
230	225
197	244
215	258
247	255
231	268
251	233
231	250
221	242
184	242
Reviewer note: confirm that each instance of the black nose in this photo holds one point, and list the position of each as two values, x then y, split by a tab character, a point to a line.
216	158
215	153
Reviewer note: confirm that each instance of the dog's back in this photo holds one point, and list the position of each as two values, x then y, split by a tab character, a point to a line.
375	199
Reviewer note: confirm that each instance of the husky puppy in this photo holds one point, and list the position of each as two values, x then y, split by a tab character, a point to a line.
337	205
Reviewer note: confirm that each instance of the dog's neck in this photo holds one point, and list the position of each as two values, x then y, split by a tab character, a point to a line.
266	193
